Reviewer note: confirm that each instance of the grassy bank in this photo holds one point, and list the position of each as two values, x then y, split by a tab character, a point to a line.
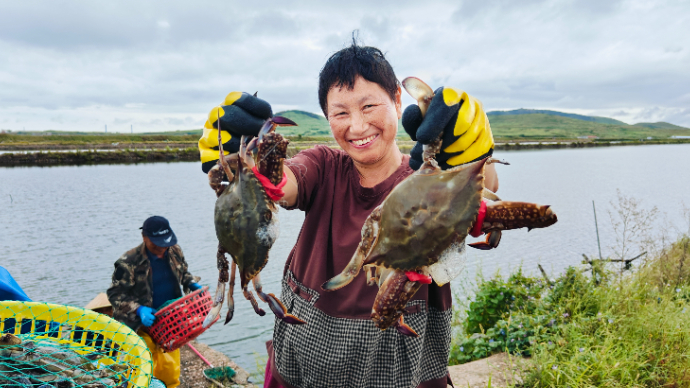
593	326
98	157
81	157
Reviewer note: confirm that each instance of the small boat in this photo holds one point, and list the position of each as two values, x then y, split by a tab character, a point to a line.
100	304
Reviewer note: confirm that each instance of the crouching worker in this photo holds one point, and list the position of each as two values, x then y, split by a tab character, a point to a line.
144	279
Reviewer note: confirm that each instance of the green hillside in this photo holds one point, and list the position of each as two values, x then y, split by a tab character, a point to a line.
308	124
658	125
596	119
552	126
313	125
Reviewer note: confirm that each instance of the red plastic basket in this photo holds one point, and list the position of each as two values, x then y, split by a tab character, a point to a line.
181	321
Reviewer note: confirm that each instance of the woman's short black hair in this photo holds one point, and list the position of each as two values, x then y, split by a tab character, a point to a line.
343	67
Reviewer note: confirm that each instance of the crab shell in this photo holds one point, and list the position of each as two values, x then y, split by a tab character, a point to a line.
425	213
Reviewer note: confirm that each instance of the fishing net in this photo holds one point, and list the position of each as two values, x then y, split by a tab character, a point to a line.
45	345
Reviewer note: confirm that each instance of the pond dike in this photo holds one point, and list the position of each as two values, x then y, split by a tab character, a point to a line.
191	154
80	157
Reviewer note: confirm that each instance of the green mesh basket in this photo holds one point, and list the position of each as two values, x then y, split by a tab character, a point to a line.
60	346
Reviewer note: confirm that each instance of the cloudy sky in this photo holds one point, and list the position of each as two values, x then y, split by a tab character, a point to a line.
162	65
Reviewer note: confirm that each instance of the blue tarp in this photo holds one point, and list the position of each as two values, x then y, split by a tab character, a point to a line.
9	289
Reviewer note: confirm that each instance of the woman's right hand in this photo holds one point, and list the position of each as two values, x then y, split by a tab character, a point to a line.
240	114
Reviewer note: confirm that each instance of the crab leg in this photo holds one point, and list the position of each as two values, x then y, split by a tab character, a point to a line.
222	263
370	232
250	297
373	274
275	304
504	215
231	290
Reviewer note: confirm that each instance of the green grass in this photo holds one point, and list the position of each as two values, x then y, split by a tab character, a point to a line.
638	336
610	330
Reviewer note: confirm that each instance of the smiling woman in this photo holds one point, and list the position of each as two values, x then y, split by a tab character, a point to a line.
338	189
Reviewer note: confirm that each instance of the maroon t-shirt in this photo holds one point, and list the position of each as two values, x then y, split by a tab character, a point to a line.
336	206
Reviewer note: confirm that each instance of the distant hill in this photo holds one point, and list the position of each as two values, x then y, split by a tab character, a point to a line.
519	123
539	125
596	119
311	124
659	125
308	124
514	124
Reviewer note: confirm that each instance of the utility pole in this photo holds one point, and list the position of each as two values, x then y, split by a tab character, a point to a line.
131	128
106	128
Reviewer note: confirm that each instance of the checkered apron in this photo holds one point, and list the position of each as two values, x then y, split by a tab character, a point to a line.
340	352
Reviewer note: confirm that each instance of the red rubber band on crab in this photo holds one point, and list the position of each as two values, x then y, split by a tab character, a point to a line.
418	277
275	192
477	229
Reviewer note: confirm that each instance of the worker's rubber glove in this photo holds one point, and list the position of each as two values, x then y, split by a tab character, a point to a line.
194	286
459	120
145	313
240	114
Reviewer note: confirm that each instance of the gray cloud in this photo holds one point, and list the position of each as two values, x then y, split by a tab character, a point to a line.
164	65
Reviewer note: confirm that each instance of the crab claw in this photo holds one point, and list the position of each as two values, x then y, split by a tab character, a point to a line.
281	312
283	121
420	91
268	127
404	329
491	242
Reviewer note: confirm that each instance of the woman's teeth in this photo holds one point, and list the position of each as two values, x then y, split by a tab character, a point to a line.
363	141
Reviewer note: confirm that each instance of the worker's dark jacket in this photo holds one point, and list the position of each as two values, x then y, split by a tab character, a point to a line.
132	280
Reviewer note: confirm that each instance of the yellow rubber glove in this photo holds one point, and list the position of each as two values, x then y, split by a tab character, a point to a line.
240	114
459	120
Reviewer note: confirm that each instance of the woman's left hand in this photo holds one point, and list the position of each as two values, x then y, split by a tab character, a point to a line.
459	120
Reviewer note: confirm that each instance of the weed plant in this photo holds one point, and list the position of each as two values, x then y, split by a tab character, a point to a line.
614	330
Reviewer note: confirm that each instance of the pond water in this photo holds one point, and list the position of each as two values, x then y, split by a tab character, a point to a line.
62	228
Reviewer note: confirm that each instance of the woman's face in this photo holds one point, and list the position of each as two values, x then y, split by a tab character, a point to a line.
364	120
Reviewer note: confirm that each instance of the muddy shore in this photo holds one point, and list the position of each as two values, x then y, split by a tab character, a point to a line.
192	367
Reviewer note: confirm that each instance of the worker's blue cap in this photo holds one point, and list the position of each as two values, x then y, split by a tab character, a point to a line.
158	230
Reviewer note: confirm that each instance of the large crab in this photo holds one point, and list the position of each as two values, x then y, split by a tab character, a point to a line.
426	214
245	217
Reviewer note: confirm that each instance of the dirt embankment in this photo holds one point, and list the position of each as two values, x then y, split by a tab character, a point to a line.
500	370
93	146
98	157
191	375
